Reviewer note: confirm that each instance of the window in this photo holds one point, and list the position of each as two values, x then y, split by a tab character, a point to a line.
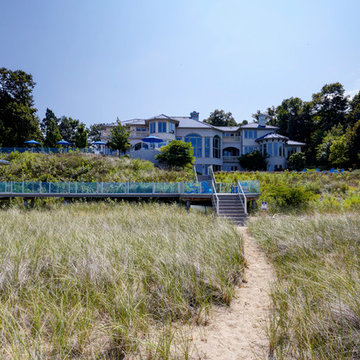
280	150
207	147
196	143
152	127
162	126
171	128
265	150
246	134
276	153
270	148
250	134
216	147
255	134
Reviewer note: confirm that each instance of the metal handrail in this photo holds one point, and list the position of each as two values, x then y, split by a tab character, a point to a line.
195	174
215	198
212	174
244	202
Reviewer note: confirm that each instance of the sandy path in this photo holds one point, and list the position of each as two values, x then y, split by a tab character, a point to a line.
239	332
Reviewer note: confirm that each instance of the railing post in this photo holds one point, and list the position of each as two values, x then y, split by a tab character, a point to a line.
102	187
69	187
12	187
76	188
23	187
181	187
153	188
49	187
220	188
40	187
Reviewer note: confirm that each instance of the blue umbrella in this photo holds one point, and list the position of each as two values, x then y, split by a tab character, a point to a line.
32	142
152	139
99	143
63	142
4	162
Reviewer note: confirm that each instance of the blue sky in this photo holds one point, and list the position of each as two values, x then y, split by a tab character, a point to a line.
96	60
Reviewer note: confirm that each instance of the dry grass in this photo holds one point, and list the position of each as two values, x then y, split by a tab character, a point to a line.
110	281
317	299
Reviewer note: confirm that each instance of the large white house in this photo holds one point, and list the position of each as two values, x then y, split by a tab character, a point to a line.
219	147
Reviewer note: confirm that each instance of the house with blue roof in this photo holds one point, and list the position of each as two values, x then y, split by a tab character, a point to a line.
216	146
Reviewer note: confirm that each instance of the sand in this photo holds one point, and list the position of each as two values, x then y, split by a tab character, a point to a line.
239	331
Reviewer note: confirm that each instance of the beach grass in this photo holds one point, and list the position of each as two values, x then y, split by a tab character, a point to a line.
316	300
111	280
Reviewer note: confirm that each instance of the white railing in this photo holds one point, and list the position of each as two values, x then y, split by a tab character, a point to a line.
211	173
195	174
242	197
215	198
232	159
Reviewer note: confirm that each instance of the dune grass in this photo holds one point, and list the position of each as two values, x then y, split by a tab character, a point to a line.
316	301
110	281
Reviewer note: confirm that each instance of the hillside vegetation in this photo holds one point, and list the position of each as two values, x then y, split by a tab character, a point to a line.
102	281
316	307
84	167
298	192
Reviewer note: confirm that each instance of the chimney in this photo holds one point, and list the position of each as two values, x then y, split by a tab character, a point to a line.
194	115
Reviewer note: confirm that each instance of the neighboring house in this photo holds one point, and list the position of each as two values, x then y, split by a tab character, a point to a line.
216	146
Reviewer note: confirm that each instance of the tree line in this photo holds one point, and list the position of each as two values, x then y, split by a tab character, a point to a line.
19	121
329	124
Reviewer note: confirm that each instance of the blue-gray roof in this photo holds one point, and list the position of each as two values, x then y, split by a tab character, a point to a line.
272	135
255	125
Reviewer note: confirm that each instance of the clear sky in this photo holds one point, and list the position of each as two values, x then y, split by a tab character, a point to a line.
96	60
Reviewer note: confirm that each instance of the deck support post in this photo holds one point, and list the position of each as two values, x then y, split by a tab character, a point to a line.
26	204
188	206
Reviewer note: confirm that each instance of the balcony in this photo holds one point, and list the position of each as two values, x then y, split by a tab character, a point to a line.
228	139
138	134
230	159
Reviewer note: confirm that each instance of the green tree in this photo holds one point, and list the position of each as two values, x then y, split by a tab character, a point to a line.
94	133
354	112
18	120
339	155
81	137
52	134
176	154
323	149
330	106
353	143
50	129
68	128
253	161
296	161
119	137
221	118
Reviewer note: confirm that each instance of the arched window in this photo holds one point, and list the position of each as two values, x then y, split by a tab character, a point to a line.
196	143
216	147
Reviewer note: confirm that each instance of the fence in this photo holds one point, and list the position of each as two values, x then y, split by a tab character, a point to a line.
61	150
104	188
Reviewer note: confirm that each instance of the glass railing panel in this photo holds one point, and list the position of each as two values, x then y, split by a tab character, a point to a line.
191	188
166	188
112	188
140	188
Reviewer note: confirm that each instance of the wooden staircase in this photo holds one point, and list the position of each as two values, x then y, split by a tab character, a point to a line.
231	207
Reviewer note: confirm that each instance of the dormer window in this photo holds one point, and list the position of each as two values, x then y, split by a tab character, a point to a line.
171	128
152	127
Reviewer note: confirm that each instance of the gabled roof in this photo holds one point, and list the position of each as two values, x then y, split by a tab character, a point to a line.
255	125
227	128
272	135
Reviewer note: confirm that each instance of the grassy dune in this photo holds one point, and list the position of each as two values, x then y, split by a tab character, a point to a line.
317	298
101	281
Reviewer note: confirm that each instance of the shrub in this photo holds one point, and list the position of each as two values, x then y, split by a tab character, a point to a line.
176	154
